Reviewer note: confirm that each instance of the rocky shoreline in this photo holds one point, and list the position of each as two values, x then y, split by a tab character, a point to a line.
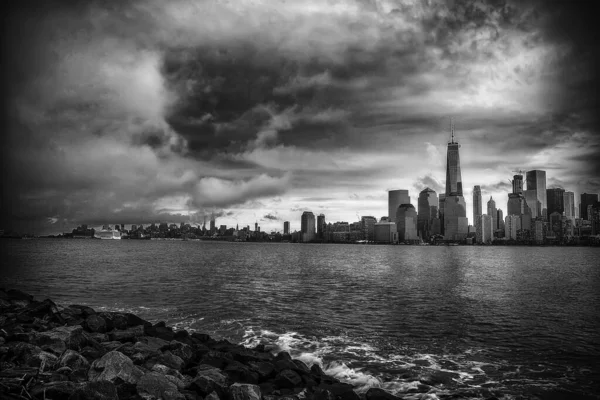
51	352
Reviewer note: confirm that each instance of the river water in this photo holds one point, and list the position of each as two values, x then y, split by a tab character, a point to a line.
472	322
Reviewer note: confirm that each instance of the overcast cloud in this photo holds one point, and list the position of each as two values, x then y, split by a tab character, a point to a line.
145	111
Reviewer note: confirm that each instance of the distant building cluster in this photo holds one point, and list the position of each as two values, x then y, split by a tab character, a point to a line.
535	215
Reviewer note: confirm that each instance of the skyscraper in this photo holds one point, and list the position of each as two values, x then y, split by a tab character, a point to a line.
307	227
536	185
213	222
428	210
517	205
395	198
476	202
492	211
368	225
569	203
406	222
442	198
556	200
500	219
586	200
321	226
286	228
455	213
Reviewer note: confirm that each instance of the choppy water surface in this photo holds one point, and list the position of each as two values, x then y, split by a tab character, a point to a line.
473	322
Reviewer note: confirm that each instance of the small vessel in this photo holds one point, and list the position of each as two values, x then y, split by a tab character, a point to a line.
107	234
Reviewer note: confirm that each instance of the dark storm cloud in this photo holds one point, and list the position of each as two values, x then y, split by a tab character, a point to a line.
271	217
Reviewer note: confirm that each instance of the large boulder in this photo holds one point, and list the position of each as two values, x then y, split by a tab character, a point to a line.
181	350
288	379
238	372
100	390
342	391
242	391
209	380
61	338
264	369
27	354
127	335
379	394
112	366
95	323
73	360
154	385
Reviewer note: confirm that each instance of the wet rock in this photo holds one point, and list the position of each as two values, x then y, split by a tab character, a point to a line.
288	379
85	311
238	372
217	359
112	345
342	391
181	350
112	366
201	337
156	385
316	370
379	394
99	337
212	396
73	360
171	360
153	343
280	365
127	335
283	355
439	378
55	390
95	323
301	367
27	354
241	391
101	390
161	332
264	369
208	381
59	339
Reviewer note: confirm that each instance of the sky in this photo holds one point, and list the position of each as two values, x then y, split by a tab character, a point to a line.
150	111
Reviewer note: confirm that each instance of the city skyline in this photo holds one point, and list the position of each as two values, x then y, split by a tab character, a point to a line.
138	113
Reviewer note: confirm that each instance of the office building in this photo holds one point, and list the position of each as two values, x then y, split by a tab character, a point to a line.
406	223
556	200
484	230
286	228
587	199
212	224
442	199
307	226
500	219
512	224
385	232
427	212
368	227
321	226
569	205
455	213
536	185
492	211
477	205
395	199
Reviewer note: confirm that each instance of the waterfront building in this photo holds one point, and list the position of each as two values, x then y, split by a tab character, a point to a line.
533	203
538	231
213	224
368	227
321	226
512	224
536	185
555	225
492	211
587	199
222	229
406	223
555	198
484	229
385	232
307	226
455	212
286	228
569	205
427	212
395	199
442	199
594	217
477	202
500	219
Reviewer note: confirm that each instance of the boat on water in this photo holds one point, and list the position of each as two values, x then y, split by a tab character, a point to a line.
108	234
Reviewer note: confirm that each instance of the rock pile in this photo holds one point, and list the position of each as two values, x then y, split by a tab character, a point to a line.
75	353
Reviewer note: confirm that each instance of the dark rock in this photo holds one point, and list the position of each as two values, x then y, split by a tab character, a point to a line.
100	390
27	354
439	378
161	332
342	391
55	390
99	337
379	394
112	366
309	381
300	366
208	381
112	345
323	394
217	359
280	365
202	337
156	385
212	396
160	324
73	360
92	353
59	339
171	360
127	390
267	387
153	343
288	379
238	372
84	310
95	323
181	350
241	391
127	335
264	369
283	355
316	370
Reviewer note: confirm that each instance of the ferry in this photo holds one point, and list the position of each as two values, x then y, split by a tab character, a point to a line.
107	234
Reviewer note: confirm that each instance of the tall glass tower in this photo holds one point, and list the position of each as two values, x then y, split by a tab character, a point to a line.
536	193
455	211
